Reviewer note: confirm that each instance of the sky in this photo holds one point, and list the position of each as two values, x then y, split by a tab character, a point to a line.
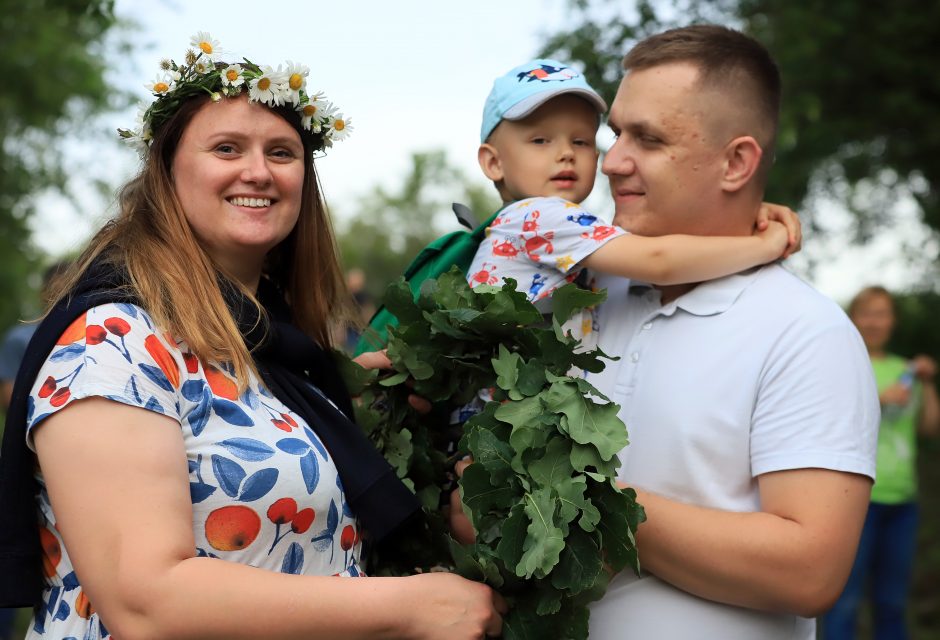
411	75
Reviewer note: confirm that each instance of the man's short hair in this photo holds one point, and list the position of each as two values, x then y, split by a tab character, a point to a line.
726	59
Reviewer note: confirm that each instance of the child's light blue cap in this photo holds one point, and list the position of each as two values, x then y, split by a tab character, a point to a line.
527	87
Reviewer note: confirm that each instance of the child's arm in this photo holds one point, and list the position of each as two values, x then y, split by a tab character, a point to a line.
680	259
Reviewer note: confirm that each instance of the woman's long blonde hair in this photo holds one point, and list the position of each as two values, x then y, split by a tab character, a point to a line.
178	283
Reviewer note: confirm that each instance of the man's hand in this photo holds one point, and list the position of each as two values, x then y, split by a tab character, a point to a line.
460	526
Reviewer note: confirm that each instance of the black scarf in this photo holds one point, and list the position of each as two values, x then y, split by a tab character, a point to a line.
293	367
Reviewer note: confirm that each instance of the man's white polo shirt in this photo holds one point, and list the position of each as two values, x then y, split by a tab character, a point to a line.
744	375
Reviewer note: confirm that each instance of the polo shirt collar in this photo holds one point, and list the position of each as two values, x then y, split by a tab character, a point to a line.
712	297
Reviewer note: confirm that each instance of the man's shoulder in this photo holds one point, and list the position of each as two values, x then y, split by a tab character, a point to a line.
779	292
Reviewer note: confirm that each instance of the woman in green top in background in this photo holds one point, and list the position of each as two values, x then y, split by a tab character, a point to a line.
909	406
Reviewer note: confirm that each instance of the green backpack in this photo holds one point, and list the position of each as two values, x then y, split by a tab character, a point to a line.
455	248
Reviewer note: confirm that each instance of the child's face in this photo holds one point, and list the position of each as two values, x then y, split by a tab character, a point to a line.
552	152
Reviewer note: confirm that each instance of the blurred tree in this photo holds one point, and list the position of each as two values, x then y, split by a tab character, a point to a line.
389	228
861	113
54	83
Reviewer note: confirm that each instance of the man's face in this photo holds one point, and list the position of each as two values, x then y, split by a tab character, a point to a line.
665	166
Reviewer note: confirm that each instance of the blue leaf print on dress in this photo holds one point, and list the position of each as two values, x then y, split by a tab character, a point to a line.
199	416
63	612
128	309
154	405
293	559
248	449
229	474
250	398
199	491
192	390
131	391
70	581
68	353
156	375
315	441
258	484
231	413
293	446
310	469
324	540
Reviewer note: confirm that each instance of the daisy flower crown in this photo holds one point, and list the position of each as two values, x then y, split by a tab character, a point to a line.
204	73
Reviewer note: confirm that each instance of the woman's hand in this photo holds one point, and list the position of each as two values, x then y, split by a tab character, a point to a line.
379	360
445	606
788	218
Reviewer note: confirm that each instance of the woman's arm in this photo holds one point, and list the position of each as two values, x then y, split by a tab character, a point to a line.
118	482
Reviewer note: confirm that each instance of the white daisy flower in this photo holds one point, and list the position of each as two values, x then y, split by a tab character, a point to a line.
267	87
296	75
339	127
161	85
203	65
232	76
314	112
203	43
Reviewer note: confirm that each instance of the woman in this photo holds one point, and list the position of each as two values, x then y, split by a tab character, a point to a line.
198	477
909	406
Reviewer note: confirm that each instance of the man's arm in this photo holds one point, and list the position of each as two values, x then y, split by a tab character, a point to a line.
793	556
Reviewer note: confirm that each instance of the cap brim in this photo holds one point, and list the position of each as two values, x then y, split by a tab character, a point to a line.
525	107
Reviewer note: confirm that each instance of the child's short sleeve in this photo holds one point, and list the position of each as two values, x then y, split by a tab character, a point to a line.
538	243
112	351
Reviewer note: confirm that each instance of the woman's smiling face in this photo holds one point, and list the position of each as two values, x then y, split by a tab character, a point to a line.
239	174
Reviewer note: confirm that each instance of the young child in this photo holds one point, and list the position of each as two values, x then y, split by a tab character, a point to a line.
538	147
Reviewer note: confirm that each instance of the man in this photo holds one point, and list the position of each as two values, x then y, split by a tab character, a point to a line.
749	399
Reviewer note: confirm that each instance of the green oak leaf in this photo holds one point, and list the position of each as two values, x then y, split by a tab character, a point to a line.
545	540
398	450
521	413
506	365
531	377
479	494
554	466
586	421
572	501
570	298
584	456
491	452
580	563
514	531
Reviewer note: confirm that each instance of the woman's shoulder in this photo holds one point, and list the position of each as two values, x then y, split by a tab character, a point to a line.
114	351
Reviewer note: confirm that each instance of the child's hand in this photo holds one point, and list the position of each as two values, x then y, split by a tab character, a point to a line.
776	238
788	218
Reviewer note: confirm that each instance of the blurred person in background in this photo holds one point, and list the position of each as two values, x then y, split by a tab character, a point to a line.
909	407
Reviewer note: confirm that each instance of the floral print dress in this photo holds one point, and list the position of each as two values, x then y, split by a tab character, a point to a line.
264	490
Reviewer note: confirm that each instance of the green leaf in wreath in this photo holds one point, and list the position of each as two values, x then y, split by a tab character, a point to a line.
514	532
545	540
570	298
580	563
572	501
586	421
506	366
554	467
479	494
491	452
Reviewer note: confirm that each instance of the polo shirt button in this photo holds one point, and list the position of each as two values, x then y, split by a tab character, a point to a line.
647	326
634	357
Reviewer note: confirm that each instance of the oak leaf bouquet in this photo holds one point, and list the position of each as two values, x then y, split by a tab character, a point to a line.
551	525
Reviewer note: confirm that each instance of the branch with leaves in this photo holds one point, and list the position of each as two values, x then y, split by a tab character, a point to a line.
551	525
